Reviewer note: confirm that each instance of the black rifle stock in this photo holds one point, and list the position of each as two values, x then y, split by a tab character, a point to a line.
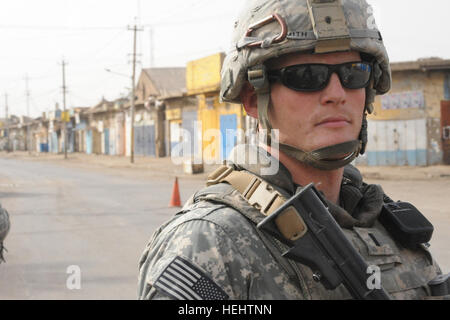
323	247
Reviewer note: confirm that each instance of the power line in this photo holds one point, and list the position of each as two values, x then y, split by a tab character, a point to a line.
194	53
57	28
34	105
42	94
89	102
152	48
161	22
13	83
103	47
198	20
180	10
27	94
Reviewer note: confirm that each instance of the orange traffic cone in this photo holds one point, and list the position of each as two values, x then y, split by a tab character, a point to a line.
175	201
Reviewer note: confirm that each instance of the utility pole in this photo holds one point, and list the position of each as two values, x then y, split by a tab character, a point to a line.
133	95
64	106
27	93
152	48
7	122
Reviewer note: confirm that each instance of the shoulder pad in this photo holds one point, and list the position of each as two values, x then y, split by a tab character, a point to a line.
225	194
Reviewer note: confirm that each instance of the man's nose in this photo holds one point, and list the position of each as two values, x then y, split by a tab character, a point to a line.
334	93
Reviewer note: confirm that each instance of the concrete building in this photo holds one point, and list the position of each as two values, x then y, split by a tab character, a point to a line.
7	132
220	122
161	105
405	127
100	122
55	132
78	124
38	129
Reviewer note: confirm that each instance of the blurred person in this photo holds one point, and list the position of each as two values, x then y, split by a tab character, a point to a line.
4	229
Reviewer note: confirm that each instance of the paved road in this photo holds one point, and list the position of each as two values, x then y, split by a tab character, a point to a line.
96	220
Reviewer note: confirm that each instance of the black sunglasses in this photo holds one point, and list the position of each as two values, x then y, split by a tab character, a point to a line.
315	76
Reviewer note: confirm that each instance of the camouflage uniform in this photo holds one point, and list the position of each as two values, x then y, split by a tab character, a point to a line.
4	229
214	240
216	233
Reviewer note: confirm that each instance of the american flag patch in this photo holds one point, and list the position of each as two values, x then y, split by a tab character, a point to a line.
182	280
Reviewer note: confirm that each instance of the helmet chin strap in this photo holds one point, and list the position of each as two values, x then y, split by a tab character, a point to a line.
328	158
325	158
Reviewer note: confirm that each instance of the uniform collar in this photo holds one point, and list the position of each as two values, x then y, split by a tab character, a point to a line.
243	158
258	161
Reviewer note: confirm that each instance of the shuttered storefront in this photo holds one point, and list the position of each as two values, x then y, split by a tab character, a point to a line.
144	140
190	134
397	143
445	130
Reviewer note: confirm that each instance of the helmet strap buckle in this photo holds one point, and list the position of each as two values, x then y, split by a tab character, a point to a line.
257	76
329	25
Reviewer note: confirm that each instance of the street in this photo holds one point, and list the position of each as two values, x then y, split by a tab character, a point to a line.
62	217
98	217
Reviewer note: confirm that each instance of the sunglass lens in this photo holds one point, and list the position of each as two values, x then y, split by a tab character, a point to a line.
355	75
306	77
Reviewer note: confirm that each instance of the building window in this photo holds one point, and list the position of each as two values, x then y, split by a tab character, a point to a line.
447	87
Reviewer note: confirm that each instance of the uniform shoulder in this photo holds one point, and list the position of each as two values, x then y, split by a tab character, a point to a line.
208	235
195	242
4	223
222	205
4	229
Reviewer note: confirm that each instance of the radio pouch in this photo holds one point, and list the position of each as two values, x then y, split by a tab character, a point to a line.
406	224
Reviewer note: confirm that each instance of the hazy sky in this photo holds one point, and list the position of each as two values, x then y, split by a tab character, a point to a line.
93	35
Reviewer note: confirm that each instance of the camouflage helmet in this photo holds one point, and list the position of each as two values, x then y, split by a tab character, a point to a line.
267	29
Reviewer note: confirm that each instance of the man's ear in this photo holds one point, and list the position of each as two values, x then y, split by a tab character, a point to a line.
249	100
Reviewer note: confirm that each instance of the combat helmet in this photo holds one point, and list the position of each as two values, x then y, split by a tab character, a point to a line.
267	29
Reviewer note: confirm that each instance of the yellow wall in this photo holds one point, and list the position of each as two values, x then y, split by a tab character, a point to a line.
203	81
172	114
209	115
203	75
430	83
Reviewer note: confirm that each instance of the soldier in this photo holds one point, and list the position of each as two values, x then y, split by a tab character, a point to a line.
4	229
311	69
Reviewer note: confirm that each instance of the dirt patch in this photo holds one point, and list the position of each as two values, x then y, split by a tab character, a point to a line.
141	168
406	173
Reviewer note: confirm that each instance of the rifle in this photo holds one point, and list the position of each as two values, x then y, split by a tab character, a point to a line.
315	239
